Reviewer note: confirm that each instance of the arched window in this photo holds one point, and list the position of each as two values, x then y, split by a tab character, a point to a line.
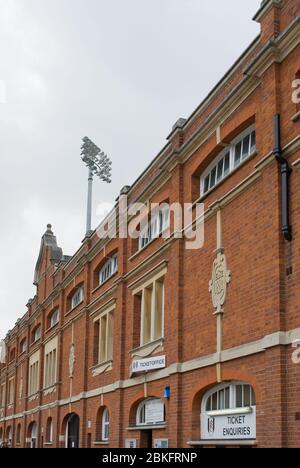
49	431
240	149
23	346
53	318
109	269
150	412
231	397
18	434
105	425
228	411
1	435
77	297
36	334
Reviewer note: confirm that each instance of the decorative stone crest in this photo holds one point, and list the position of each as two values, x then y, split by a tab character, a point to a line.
221	277
72	361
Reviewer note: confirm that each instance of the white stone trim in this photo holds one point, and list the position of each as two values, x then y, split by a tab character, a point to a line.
248	349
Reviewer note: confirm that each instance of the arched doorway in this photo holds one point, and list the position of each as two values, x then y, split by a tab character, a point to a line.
72	431
9	436
150	414
32	435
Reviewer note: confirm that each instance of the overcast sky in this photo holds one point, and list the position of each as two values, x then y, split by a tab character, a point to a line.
121	72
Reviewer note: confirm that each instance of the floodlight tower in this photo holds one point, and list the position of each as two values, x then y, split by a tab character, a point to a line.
99	165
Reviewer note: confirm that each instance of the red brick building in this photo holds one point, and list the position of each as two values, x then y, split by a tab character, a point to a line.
222	346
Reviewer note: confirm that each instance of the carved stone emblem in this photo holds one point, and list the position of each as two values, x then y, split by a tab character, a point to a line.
72	360
221	277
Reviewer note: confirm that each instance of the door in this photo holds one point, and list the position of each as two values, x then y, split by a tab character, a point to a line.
146	439
73	431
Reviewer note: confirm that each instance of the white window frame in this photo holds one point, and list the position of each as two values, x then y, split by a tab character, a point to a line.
37	333
231	150
153	286
158	223
23	346
34	374
54	318
109	269
34	435
105	425
109	335
3	395
50	363
233	408
50	440
77	298
141	412
11	391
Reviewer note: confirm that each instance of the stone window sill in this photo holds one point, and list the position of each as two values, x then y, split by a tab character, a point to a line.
296	117
74	308
146	427
148	349
102	367
237	168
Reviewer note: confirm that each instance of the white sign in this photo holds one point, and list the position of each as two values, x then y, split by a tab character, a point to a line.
154	411
161	443
229	427
130	443
143	365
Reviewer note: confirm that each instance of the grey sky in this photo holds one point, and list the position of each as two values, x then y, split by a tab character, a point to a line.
121	72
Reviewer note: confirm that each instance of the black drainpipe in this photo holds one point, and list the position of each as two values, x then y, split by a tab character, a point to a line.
285	171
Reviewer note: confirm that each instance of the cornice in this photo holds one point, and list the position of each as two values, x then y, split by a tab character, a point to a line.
274	52
264	8
216	119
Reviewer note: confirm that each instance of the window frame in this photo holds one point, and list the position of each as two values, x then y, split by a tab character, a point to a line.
105	424
152	289
108	316
49	430
23	346
231	149
54	313
111	264
11	392
155	227
3	395
36	336
141	413
80	292
19	434
34	374
233	408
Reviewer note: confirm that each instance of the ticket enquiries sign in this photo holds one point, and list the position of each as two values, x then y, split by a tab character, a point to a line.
149	364
229	427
